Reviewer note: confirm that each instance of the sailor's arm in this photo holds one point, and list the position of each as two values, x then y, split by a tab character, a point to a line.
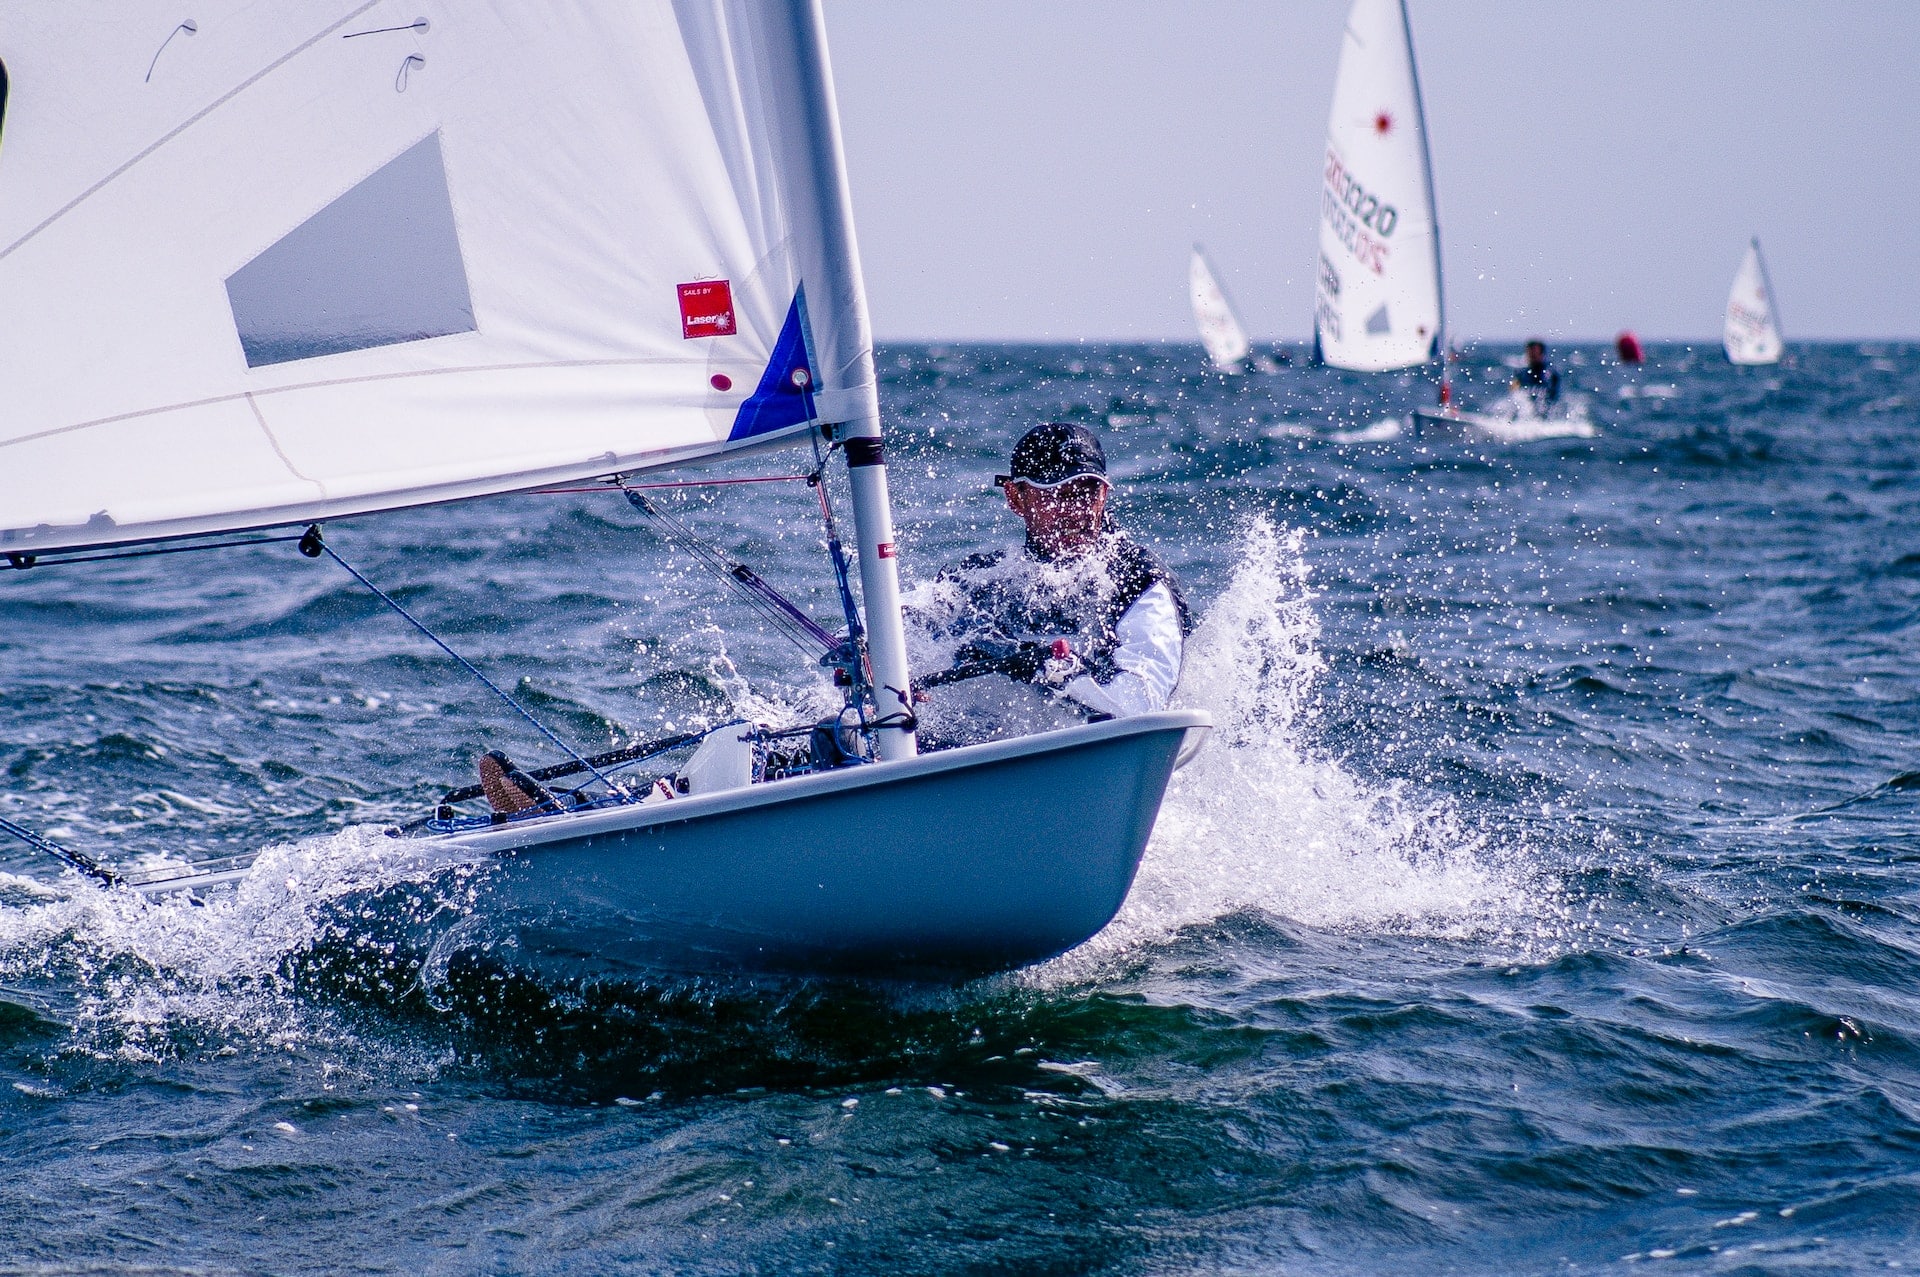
1147	659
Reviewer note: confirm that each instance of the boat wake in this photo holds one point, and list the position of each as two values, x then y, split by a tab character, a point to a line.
129	974
1385	430
1262	821
1515	418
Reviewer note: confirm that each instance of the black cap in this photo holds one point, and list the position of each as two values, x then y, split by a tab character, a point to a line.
1050	455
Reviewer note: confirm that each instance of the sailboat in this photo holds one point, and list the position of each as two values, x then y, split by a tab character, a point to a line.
1221	331
280	265
1752	334
1379	303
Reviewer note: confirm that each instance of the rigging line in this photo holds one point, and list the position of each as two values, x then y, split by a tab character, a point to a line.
788	618
20	560
312	539
66	856
418	24
818	481
189	26
687	483
763	598
859	668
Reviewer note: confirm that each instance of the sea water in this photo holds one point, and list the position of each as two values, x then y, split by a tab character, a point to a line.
1544	901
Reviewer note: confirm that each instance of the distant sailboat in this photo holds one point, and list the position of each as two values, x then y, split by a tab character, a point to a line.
1378	300
1753	330
1378	303
1221	331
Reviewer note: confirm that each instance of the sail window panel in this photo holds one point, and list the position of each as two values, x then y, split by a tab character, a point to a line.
3	102
379	266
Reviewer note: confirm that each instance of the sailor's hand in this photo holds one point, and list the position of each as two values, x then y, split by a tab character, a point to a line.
1049	664
1061	666
1018	661
1028	663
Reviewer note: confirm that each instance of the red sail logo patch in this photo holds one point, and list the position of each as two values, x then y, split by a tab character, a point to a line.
706	309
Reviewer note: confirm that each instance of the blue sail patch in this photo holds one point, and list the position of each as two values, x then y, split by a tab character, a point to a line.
777	403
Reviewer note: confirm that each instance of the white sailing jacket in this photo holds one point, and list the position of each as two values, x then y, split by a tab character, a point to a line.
1118	608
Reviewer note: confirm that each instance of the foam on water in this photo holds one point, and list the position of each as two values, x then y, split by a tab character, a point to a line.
139	969
1384	430
1264	820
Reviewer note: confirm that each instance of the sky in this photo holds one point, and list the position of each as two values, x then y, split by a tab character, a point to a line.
1037	169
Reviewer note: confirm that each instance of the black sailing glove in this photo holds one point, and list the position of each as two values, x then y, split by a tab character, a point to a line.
1018	661
1023	662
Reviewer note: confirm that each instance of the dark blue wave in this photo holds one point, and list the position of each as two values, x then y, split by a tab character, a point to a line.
1568	919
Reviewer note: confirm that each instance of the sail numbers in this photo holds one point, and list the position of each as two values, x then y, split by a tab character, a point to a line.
1356	216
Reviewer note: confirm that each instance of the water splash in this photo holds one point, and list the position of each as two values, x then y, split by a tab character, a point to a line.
1264	821
138	976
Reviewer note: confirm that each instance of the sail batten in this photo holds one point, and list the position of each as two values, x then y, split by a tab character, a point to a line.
316	266
1377	302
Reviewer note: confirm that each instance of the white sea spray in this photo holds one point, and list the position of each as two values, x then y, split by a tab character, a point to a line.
139	973
1265	820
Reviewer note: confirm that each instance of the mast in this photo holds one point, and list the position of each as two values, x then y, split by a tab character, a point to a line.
1433	209
849	396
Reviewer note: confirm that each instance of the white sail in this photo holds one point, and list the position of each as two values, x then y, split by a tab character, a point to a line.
1377	300
1220	330
1752	331
287	261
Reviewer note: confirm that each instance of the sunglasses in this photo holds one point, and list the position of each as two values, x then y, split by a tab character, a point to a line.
1085	480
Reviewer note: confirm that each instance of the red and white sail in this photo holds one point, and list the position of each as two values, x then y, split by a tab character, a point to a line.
1377	298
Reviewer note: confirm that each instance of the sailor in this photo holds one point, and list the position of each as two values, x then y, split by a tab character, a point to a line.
1080	611
1540	382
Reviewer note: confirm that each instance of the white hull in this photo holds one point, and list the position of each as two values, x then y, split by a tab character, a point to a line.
1514	420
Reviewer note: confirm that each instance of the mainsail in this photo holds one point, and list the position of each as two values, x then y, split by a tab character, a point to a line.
1752	331
283	262
1377	300
1220	330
